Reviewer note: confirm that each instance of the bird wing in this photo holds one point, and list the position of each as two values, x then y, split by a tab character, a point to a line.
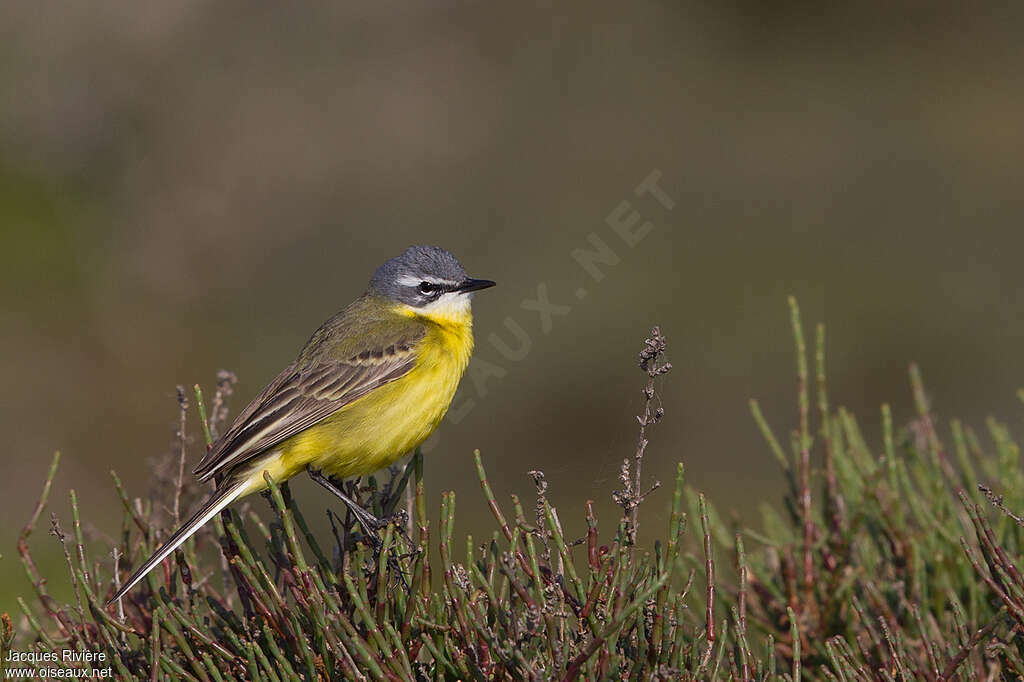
307	391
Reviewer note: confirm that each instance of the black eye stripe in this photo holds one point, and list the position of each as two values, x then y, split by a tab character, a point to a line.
434	288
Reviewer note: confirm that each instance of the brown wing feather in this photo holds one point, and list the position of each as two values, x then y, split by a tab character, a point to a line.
299	398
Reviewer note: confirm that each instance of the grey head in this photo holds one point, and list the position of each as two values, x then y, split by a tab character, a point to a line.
423	275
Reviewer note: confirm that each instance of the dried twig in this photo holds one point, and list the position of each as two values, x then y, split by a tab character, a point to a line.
997	502
630	497
219	408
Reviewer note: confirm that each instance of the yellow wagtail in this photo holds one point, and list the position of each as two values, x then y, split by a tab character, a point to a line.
370	385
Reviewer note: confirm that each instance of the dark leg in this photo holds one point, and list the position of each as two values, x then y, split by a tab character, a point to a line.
370	523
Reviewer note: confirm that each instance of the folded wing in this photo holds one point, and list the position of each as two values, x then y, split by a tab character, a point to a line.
303	395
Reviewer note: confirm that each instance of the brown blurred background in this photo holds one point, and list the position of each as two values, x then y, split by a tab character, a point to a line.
194	185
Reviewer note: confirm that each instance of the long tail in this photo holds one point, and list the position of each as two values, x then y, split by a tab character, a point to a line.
220	499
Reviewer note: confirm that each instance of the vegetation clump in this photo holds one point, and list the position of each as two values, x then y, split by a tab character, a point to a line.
893	562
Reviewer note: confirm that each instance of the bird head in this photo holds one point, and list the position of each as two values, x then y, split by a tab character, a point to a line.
429	280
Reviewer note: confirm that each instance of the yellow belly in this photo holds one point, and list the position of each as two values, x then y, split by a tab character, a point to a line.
371	433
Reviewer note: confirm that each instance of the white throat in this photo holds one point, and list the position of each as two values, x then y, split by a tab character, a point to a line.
453	305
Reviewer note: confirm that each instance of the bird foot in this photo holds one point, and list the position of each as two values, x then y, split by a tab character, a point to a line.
371	525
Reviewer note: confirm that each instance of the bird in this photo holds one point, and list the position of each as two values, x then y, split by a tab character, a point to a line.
370	385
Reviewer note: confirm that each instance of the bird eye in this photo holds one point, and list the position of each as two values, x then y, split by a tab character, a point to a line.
427	288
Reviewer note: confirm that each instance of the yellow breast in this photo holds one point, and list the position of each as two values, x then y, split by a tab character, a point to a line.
374	431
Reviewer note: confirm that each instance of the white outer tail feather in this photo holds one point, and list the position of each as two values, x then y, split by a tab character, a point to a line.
219	500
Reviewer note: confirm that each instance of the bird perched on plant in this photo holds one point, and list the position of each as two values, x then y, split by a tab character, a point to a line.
371	384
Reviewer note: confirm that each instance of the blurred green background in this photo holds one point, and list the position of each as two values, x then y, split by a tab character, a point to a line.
195	185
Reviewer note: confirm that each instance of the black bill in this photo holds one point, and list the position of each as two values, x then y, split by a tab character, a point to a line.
475	284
